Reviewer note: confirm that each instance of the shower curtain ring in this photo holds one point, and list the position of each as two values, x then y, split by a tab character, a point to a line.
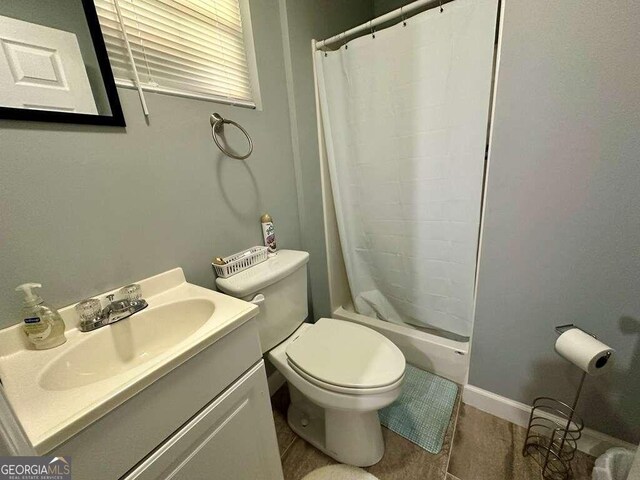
373	30
441	9
344	42
404	19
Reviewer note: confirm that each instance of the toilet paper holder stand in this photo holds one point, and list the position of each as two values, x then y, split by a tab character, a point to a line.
554	429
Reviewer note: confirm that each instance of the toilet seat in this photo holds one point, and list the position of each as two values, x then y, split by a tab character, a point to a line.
349	391
347	358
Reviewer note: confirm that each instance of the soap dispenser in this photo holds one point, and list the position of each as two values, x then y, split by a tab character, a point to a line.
43	325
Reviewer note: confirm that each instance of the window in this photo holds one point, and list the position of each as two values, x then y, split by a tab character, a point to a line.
193	48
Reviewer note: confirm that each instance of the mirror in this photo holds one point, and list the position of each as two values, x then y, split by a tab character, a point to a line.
54	65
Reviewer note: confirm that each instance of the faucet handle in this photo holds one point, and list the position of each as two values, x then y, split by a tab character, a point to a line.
88	310
132	293
110	297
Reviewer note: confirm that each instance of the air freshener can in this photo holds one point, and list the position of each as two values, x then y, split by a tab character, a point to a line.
268	233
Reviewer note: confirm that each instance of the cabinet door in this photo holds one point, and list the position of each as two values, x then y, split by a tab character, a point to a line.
231	438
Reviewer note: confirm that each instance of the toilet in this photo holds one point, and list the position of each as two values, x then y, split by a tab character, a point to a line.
339	373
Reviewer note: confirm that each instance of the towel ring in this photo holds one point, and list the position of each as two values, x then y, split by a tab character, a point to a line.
217	125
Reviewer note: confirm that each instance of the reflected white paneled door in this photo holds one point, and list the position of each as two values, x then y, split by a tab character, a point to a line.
42	68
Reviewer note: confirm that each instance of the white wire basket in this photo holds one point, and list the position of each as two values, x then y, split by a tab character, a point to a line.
240	261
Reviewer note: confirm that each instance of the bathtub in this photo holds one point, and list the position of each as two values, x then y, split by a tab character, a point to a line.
442	356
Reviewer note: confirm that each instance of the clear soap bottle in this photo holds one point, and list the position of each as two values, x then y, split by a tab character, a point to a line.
43	325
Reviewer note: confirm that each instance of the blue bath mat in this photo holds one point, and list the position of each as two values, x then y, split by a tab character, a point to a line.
422	412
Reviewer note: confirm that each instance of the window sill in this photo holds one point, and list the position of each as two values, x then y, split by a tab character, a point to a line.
191	95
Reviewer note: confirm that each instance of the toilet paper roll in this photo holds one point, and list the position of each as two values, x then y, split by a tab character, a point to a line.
584	351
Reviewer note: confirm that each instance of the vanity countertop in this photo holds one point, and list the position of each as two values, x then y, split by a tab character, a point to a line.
58	392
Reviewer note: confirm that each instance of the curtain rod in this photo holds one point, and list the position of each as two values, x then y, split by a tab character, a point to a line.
397	14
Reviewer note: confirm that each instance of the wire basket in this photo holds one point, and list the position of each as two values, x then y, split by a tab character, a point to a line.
240	261
552	437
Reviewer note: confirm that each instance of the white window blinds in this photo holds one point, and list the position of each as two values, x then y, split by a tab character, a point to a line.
193	48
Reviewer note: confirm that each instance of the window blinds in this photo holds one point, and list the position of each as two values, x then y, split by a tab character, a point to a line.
192	48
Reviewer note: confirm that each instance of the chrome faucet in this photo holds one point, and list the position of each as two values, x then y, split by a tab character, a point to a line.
93	316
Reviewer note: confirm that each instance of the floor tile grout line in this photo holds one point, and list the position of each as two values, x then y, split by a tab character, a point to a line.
453	436
284	452
288	448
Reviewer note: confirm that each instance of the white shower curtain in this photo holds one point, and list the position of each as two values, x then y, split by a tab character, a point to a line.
405	121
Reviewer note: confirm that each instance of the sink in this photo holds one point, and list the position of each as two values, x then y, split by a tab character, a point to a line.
125	345
95	372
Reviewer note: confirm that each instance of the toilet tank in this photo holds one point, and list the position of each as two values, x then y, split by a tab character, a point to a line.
279	287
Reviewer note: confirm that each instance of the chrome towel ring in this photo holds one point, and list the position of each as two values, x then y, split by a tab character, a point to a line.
217	126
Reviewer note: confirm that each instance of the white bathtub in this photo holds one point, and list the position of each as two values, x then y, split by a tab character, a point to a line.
444	357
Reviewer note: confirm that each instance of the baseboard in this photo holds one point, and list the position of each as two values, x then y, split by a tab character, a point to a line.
275	381
592	442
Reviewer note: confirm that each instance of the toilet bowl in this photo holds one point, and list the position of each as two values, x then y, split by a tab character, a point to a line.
339	373
335	400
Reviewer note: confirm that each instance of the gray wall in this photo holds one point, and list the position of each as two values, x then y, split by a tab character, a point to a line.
308	19
85	209
561	240
380	7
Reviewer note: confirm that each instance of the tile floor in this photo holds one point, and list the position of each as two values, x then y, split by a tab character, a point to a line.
489	448
477	446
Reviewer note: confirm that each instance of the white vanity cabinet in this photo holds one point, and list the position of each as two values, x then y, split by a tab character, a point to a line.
232	438
209	418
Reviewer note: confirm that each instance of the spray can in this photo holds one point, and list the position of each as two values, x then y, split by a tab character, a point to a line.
268	233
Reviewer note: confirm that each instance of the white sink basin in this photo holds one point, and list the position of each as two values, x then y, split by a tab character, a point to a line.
118	348
82	380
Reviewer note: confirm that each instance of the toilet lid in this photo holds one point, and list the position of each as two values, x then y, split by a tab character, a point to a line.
346	354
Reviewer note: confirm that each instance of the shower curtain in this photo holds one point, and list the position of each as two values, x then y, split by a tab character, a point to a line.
405	119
